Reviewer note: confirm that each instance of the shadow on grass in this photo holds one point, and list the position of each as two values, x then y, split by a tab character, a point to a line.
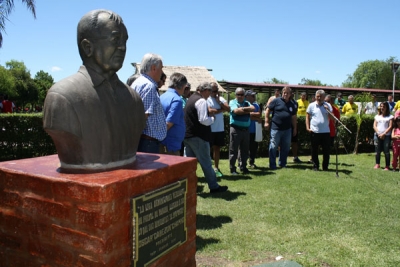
228	195
208	222
201	243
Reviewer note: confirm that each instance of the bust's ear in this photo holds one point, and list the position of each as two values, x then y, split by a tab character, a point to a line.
87	47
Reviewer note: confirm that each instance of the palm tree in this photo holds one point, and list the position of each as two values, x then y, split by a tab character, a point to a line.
6	7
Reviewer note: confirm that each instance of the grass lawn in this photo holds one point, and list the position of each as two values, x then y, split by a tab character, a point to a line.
312	218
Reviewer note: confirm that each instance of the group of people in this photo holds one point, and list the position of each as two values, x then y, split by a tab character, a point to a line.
281	119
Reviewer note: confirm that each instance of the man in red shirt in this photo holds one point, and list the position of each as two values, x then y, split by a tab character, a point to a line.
7	106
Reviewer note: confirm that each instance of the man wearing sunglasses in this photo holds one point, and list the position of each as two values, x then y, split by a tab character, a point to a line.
239	131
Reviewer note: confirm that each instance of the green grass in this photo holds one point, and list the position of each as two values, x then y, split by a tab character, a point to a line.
313	218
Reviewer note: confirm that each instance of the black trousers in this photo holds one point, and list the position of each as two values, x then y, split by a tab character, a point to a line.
320	140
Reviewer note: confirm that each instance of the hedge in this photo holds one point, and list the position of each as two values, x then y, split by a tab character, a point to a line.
22	136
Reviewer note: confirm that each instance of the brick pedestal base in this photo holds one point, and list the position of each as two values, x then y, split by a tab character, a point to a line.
49	218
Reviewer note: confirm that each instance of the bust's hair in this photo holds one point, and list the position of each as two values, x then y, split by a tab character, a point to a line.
149	60
177	81
88	26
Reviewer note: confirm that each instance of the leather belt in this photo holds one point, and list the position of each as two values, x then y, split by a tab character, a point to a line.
143	136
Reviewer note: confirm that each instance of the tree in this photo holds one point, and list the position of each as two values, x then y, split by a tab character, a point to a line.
276	81
6	7
375	74
7	83
305	81
43	82
25	88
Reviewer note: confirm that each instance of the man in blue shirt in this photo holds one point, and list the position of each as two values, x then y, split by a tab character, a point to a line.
146	85
283	118
239	131
172	105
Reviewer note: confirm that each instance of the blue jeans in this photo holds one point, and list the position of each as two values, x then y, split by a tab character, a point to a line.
149	146
280	139
196	147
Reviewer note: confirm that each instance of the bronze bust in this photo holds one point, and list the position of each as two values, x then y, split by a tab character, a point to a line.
94	119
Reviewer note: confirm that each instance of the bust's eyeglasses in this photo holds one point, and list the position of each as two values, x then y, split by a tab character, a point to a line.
239	94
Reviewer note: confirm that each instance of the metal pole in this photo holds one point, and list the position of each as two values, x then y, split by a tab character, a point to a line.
394	82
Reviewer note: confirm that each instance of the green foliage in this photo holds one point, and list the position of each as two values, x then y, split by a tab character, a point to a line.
276	81
7	83
6	7
43	82
22	136
16	81
375	74
305	81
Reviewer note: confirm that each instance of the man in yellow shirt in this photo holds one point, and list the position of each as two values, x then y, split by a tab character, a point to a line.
302	104
350	107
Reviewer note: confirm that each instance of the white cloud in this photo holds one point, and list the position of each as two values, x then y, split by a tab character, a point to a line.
317	71
55	69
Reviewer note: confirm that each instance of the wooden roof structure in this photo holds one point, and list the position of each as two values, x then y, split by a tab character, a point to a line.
194	75
309	89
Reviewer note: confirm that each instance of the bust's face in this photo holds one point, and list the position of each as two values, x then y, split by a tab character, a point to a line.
109	45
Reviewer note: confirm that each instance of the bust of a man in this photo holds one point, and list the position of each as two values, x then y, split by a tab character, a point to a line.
94	119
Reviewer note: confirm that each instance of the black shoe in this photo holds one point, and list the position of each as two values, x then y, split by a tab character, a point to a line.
325	169
245	170
219	189
253	166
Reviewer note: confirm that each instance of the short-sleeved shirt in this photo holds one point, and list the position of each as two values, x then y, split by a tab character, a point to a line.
391	105
282	113
397	106
382	123
155	124
302	107
239	120
218	125
350	109
340	103
252	128
173	110
319	122
371	108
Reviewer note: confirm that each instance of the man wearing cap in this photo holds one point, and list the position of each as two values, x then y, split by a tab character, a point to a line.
216	106
239	130
255	116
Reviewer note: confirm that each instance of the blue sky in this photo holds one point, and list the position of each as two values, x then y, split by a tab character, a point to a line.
242	41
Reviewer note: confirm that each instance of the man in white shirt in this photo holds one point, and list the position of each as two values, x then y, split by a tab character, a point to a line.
372	107
317	124
217	105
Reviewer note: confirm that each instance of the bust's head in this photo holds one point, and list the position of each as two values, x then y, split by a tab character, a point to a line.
102	38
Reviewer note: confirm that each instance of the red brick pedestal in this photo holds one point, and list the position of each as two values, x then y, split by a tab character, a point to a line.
48	218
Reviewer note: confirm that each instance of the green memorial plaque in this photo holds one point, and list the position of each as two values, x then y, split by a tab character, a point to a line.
159	222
